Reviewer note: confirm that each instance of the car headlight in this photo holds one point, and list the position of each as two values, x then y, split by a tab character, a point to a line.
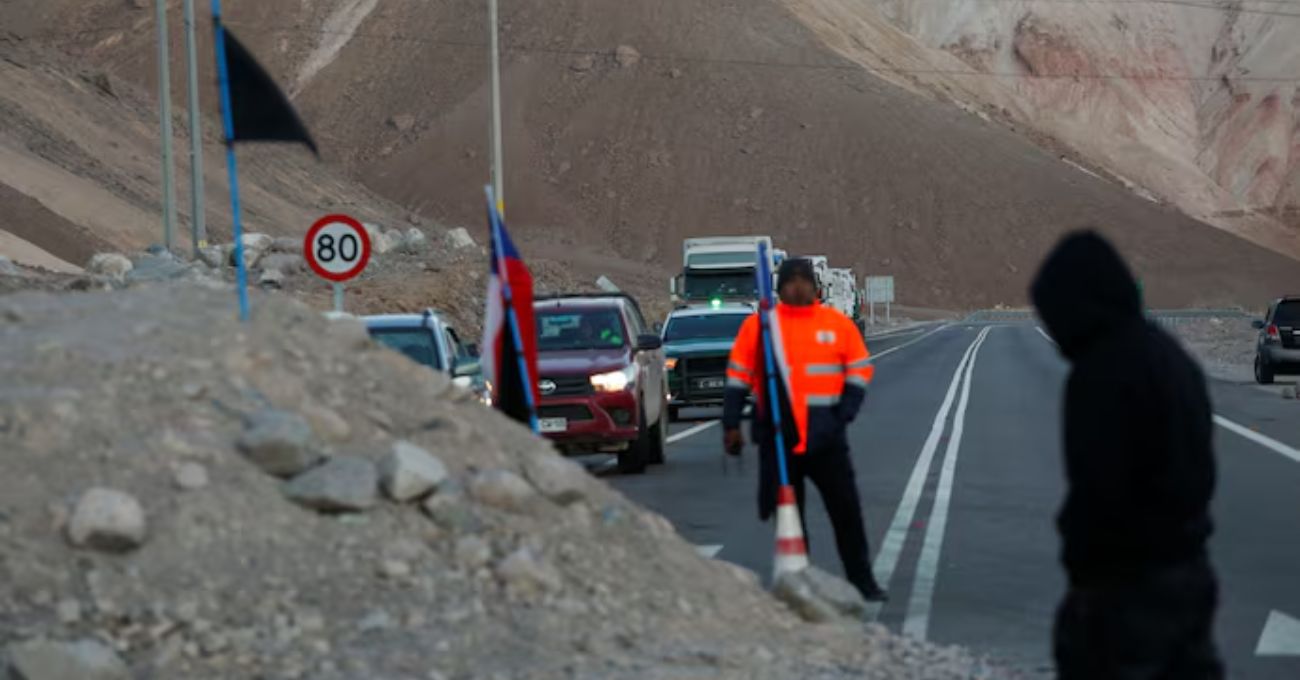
614	381
670	363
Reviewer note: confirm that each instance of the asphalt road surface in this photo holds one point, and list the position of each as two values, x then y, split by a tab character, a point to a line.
959	466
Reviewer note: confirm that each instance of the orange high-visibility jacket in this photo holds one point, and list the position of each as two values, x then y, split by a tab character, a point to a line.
824	362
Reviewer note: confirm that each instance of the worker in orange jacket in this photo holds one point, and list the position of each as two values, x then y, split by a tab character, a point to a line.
823	369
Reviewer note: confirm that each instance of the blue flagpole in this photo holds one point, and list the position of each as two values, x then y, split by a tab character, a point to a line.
511	319
228	125
765	318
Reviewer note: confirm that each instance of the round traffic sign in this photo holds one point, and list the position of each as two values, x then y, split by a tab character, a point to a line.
337	247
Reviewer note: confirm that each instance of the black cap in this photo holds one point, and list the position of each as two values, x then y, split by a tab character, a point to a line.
800	267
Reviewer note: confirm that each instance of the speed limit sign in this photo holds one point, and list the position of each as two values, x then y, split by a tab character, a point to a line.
337	248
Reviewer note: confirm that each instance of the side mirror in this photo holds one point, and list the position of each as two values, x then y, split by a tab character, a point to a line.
648	342
1257	324
466	369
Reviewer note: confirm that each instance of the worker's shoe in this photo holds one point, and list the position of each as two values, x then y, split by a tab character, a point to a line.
872	592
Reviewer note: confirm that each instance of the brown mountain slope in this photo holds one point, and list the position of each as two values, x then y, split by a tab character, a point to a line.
733	119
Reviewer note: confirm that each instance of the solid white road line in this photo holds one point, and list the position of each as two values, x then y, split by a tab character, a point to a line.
673	439
892	547
917	623
896	332
1258	438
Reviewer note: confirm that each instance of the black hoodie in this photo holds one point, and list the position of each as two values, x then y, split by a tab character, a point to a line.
1138	428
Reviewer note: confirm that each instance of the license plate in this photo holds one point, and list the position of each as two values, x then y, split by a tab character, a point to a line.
710	383
553	424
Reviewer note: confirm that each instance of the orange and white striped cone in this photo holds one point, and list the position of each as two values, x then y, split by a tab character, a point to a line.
791	550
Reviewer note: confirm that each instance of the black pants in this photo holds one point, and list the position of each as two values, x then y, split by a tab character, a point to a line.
831	470
1157	626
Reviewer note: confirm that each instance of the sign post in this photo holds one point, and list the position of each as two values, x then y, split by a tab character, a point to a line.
880	289
337	248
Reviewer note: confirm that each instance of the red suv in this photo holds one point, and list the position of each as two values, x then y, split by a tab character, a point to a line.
601	378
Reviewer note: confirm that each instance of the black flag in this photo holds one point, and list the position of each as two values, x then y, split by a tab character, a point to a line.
259	110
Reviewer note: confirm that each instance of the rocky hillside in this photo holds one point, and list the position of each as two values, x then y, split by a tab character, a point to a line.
1195	103
186	496
627	131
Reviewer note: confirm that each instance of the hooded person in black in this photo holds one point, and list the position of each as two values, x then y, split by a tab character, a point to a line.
1140	473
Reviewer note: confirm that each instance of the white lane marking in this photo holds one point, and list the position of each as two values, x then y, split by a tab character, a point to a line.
895	332
1266	442
1044	334
1280	637
917	623
892	547
909	343
709	551
673	439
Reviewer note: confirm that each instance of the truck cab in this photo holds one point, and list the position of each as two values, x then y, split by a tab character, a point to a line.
719	269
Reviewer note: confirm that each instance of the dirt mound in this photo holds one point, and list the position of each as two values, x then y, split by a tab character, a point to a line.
728	120
135	515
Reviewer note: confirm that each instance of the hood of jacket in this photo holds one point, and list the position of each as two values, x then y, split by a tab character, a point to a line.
1084	291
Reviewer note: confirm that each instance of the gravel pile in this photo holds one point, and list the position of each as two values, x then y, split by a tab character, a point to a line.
184	496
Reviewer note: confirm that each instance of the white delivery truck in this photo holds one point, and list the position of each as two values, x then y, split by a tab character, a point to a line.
719	269
841	292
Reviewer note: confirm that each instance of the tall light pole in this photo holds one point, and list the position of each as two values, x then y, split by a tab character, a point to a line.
198	229
497	171
165	104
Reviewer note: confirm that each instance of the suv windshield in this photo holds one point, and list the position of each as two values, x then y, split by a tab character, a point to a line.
711	326
1287	314
726	284
559	331
416	343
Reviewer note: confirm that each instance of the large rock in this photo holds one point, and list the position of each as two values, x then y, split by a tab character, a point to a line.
410	472
215	257
107	519
49	660
112	265
278	442
459	239
255	247
818	596
344	484
289	263
414	241
560	480
502	489
387	242
526	574
162	267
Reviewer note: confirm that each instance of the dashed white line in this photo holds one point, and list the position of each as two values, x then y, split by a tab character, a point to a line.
1266	442
892	547
673	439
917	623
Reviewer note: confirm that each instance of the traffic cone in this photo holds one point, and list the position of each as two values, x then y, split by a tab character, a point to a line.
791	550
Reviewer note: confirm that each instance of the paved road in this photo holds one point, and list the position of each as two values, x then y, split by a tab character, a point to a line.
958	461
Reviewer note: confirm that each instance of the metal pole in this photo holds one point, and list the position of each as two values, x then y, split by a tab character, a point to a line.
498	187
165	101
198	228
887	319
338	297
873	311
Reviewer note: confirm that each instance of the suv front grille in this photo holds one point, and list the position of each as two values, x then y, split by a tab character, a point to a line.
566	385
705	366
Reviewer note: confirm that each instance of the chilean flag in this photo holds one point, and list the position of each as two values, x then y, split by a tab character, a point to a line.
509	332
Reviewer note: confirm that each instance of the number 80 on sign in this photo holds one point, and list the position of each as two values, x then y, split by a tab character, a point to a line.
336	247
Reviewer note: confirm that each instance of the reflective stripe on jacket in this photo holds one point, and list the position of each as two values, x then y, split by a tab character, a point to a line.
824	362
